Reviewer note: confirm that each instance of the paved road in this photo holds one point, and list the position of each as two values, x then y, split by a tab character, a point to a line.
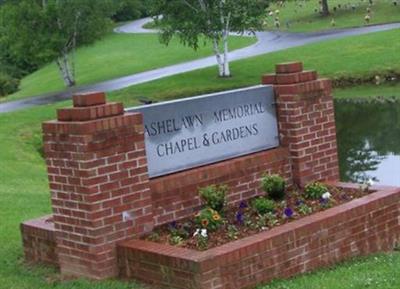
267	42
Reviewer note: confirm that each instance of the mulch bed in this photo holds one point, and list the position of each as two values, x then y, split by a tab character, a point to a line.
251	222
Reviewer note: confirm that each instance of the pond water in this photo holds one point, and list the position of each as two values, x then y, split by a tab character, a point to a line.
369	141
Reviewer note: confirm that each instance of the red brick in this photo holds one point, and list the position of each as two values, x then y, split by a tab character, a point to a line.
90	112
268	79
89	99
289	67
292	78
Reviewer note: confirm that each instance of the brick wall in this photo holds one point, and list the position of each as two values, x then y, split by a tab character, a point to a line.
97	168
306	122
39	241
360	227
97	173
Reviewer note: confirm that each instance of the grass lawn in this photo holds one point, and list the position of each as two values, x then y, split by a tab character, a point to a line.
300	16
114	56
377	272
24	192
369	91
359	56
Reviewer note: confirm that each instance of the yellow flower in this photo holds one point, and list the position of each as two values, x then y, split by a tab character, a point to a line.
216	217
204	222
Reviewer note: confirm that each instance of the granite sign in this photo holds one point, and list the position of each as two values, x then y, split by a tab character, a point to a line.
200	130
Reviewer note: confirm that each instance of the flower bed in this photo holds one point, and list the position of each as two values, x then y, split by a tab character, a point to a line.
216	225
362	226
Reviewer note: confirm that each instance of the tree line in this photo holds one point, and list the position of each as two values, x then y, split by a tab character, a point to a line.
36	32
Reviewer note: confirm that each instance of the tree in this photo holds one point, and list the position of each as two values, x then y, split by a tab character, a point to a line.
37	32
129	10
324	7
194	20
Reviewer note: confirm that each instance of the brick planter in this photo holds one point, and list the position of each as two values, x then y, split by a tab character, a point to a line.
40	241
103	198
361	227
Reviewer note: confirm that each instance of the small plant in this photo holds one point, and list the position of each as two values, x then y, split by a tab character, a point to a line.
233	232
201	238
214	196
274	186
304	209
262	222
175	240
249	223
154	236
315	190
272	220
208	219
326	200
181	230
8	84
262	205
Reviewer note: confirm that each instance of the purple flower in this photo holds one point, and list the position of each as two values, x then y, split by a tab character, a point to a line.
240	217
323	201
173	225
242	205
288	212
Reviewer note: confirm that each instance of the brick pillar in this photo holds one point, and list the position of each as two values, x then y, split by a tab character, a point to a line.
99	183
306	122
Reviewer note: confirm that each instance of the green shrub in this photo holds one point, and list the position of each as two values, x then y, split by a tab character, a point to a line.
315	190
8	84
175	240
208	219
214	196
263	205
129	10
274	186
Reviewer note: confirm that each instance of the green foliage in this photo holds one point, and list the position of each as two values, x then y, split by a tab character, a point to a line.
129	10
154	236
263	205
262	221
233	232
201	242
208	219
8	84
274	186
272	219
56	27
304	209
191	20
175	240
214	196
315	190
